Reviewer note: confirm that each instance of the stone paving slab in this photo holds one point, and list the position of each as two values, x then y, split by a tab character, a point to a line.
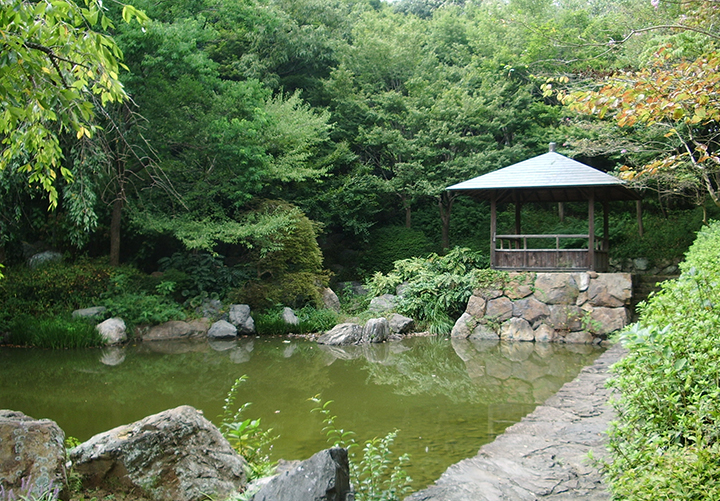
544	456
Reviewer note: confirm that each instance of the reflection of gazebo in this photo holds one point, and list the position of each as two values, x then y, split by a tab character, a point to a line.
550	177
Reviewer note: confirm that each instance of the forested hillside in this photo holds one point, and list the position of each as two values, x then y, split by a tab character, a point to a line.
250	131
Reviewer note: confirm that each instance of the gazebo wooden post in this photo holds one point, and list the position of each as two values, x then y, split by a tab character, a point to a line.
493	228
606	227
591	230
518	225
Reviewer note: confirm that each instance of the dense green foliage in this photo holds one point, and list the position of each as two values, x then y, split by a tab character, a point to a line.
52	289
436	289
311	320
665	442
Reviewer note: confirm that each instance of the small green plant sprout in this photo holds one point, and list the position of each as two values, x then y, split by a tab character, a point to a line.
165	288
247	436
31	490
377	475
336	437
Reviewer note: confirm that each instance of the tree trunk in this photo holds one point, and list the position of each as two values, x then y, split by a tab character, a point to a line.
445	203
115	231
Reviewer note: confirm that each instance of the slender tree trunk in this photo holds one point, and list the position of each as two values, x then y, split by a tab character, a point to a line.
115	231
445	203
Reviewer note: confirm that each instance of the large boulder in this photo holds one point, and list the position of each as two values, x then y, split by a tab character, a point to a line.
30	449
222	329
610	290
376	330
517	329
330	299
43	258
530	309
176	455
383	303
112	331
499	309
556	288
323	477
176	329
400	324
239	316
289	317
347	333
463	326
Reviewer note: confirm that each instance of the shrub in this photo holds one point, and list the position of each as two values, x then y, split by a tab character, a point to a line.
288	265
200	274
666	441
54	288
56	333
435	289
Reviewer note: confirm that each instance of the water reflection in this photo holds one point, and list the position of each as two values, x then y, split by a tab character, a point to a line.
447	398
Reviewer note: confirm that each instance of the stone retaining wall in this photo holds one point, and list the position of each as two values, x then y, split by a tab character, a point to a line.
549	307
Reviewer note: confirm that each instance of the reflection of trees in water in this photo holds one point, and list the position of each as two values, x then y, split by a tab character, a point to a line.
481	371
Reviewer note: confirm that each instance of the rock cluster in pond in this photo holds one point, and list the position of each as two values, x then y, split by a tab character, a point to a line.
176	455
375	330
549	307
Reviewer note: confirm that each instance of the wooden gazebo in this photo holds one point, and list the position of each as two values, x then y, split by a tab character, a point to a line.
554	178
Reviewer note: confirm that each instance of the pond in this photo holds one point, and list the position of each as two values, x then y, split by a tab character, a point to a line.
446	398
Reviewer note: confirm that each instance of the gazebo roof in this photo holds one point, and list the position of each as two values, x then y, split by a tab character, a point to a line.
549	177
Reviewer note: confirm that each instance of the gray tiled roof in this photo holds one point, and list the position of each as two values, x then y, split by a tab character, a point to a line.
547	177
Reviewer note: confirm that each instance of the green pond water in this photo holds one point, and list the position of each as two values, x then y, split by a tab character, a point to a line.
446	398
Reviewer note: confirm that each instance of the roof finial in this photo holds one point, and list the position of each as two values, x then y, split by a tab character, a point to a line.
552	146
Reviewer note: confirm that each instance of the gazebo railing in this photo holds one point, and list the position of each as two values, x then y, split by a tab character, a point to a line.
512	252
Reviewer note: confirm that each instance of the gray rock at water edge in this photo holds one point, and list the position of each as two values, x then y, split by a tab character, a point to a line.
239	316
31	449
382	304
289	317
330	299
400	324
112	331
176	455
483	332
517	329
376	330
323	477
44	258
463	326
222	329
176	329
93	311
347	333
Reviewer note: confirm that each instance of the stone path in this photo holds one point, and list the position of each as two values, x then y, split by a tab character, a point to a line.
544	456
